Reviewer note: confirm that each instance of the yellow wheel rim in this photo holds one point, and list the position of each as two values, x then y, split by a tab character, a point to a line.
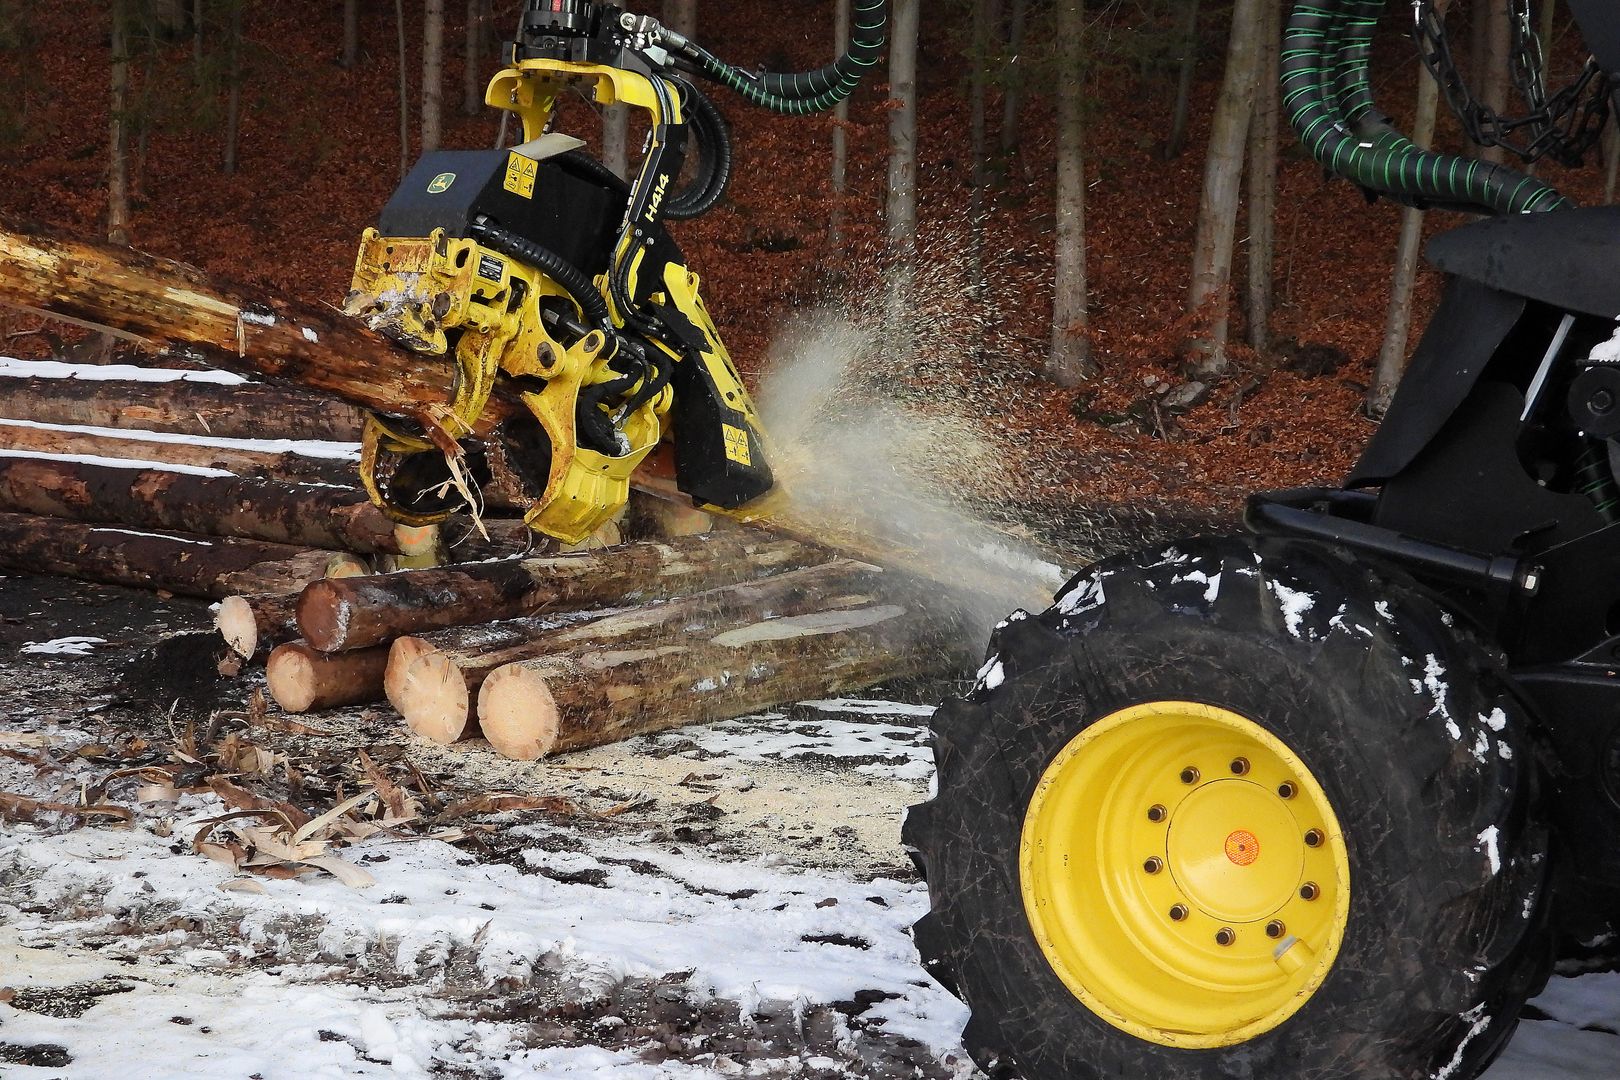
1184	874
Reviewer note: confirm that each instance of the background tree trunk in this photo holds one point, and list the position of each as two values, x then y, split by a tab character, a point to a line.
1611	158
1070	361
1398	321
472	86
901	210
197	41
1013	94
432	74
351	33
1263	177
1176	142
1494	75
118	148
840	135
404	92
681	16
616	139
1223	183
233	103
978	90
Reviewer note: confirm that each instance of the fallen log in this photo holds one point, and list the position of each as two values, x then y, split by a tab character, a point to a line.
183	407
163	302
211	567
434	691
322	517
360	612
281	463
248	623
535	708
300	679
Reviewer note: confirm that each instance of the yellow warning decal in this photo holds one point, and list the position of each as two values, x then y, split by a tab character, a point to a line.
520	174
737	444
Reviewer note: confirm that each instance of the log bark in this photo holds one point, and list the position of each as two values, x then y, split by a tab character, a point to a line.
27	438
320	517
360	612
301	679
167	303
250	411
249	623
434	692
535	708
212	567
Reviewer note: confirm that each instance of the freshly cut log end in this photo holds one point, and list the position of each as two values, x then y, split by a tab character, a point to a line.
434	699
238	626
303	680
518	713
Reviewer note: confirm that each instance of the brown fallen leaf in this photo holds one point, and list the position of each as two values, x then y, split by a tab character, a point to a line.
500	802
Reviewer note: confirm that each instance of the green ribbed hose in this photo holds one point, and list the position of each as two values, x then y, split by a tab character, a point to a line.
811	91
1328	98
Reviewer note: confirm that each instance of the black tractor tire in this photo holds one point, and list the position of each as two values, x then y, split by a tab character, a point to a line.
1396	708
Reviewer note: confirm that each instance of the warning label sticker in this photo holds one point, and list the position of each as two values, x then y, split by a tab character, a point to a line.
520	174
737	444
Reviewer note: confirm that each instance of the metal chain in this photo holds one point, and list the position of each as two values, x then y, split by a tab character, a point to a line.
1563	127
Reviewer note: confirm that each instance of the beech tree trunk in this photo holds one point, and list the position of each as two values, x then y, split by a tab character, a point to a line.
250	623
404	90
432	74
118	124
1069	362
233	99
302	680
1263	177
616	139
208	505
472	86
1013	94
1408	252
351	33
211	567
978	150
338	615
1187	67
1223	182
1494	75
249	411
901	208
166	303
31	440
681	16
840	137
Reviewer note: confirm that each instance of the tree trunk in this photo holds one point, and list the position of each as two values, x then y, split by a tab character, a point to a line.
250	623
211	567
978	91
351	33
432	75
1494	75
901	211
1176	142
118	148
352	614
1408	250
1611	159
165	303
681	16
197	41
206	505
247	411
404	90
472	87
616	139
531	709
1013	96
1069	362
840	138
302	680
233	100
1263	178
111	445
1223	183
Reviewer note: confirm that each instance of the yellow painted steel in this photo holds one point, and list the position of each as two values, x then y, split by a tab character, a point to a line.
1184	874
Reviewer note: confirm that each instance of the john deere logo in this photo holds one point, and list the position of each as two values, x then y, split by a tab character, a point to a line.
441	182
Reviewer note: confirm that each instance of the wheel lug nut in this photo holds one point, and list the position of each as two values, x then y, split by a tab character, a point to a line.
1190	775
1287	790
1313	838
1275	929
1156	813
1179	912
1225	936
1309	891
1153	865
1240	766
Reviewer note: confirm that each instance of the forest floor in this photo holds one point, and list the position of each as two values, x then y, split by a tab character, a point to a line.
710	902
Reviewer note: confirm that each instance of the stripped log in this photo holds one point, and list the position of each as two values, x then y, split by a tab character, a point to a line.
534	708
212	567
434	692
182	407
185	502
19	437
300	679
248	623
361	612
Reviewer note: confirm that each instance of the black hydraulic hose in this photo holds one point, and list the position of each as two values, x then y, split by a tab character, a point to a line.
599	172
560	270
713	139
1329	102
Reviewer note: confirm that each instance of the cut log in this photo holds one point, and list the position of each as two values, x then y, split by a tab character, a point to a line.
163	302
338	615
399	684
248	623
29	439
434	692
302	680
212	567
185	502
249	411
